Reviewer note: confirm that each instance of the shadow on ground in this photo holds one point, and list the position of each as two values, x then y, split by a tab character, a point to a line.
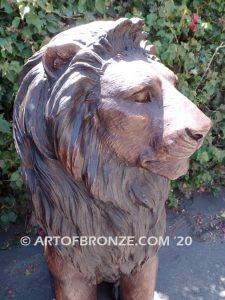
192	262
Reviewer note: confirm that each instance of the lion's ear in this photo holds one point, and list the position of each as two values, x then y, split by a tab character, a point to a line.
151	49
57	57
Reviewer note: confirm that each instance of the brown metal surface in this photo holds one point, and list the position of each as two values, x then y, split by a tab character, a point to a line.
101	129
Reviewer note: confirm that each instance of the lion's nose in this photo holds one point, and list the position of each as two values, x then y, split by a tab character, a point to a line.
199	134
194	136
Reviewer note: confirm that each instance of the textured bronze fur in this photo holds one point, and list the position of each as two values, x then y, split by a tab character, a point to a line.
100	129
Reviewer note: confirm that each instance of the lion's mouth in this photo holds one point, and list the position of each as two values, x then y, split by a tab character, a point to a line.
170	161
169	156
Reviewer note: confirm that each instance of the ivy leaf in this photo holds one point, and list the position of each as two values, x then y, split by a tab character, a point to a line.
100	6
204	157
15	176
151	18
4	218
12	216
27	33
33	19
7	6
49	8
223	131
219	154
169	6
4	125
16	22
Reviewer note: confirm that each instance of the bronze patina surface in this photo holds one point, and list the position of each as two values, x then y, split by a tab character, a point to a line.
101	129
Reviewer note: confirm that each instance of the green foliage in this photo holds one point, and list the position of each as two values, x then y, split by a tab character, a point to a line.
195	53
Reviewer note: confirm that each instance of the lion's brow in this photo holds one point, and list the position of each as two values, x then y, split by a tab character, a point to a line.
133	89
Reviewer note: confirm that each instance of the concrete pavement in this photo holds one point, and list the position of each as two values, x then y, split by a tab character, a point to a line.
192	264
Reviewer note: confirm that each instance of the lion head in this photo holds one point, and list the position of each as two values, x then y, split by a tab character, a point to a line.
101	128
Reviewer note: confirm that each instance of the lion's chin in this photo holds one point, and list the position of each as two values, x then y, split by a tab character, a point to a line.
169	169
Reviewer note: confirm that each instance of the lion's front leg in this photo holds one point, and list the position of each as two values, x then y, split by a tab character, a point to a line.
140	285
69	284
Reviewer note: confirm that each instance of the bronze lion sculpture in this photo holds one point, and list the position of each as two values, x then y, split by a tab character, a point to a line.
101	129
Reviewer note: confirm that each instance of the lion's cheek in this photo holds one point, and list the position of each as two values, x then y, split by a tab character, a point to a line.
125	147
126	133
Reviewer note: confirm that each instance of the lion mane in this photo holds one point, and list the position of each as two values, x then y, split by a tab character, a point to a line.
77	184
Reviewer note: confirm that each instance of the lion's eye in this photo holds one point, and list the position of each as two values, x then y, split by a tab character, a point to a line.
143	97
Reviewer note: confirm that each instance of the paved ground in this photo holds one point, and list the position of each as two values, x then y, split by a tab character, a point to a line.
186	272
